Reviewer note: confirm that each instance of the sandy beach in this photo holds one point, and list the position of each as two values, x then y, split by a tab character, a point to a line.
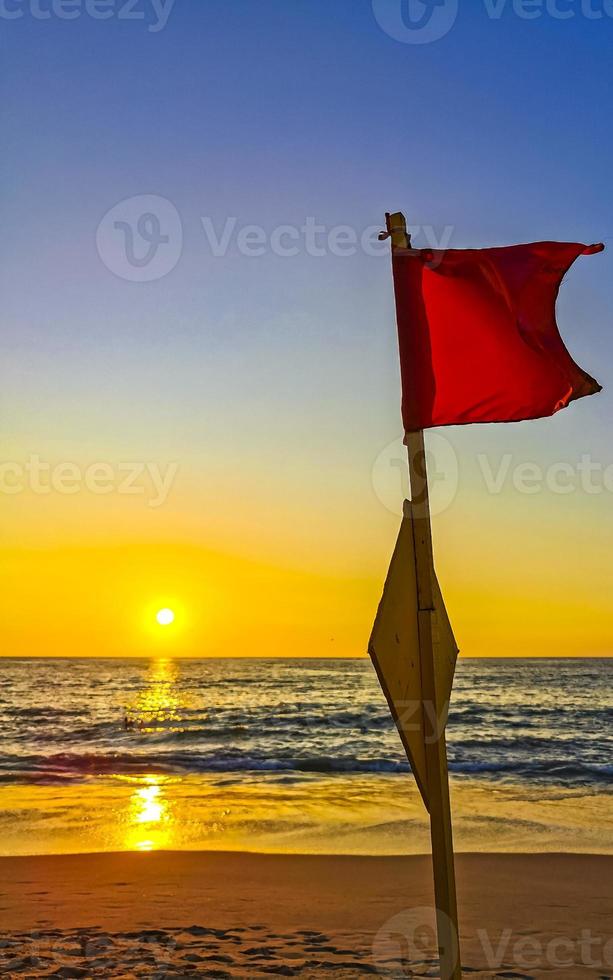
174	914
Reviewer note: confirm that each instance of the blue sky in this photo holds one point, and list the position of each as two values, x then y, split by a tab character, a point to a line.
278	376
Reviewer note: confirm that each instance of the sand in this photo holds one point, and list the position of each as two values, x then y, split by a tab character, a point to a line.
185	914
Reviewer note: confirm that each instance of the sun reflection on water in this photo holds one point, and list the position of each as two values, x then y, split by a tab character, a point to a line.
150	824
152	808
156	708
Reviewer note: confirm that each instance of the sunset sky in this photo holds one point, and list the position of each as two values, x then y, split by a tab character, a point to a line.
250	403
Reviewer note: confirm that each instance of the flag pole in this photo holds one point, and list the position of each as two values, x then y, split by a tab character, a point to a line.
434	711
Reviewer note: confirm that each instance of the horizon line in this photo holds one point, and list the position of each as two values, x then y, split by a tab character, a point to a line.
154	656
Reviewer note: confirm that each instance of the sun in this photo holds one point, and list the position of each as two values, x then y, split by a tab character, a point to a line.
165	617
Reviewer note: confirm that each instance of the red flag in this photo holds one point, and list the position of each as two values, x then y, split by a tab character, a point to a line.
478	335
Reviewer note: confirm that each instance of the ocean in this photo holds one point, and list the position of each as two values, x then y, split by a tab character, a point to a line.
295	755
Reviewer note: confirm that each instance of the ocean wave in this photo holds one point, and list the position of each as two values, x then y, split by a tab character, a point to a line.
70	767
533	723
75	765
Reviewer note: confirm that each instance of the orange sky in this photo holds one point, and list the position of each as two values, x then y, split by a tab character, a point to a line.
292	564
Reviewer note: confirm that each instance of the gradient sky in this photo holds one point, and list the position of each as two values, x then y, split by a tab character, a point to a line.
272	382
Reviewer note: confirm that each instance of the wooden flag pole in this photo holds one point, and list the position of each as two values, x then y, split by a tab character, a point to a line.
434	707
